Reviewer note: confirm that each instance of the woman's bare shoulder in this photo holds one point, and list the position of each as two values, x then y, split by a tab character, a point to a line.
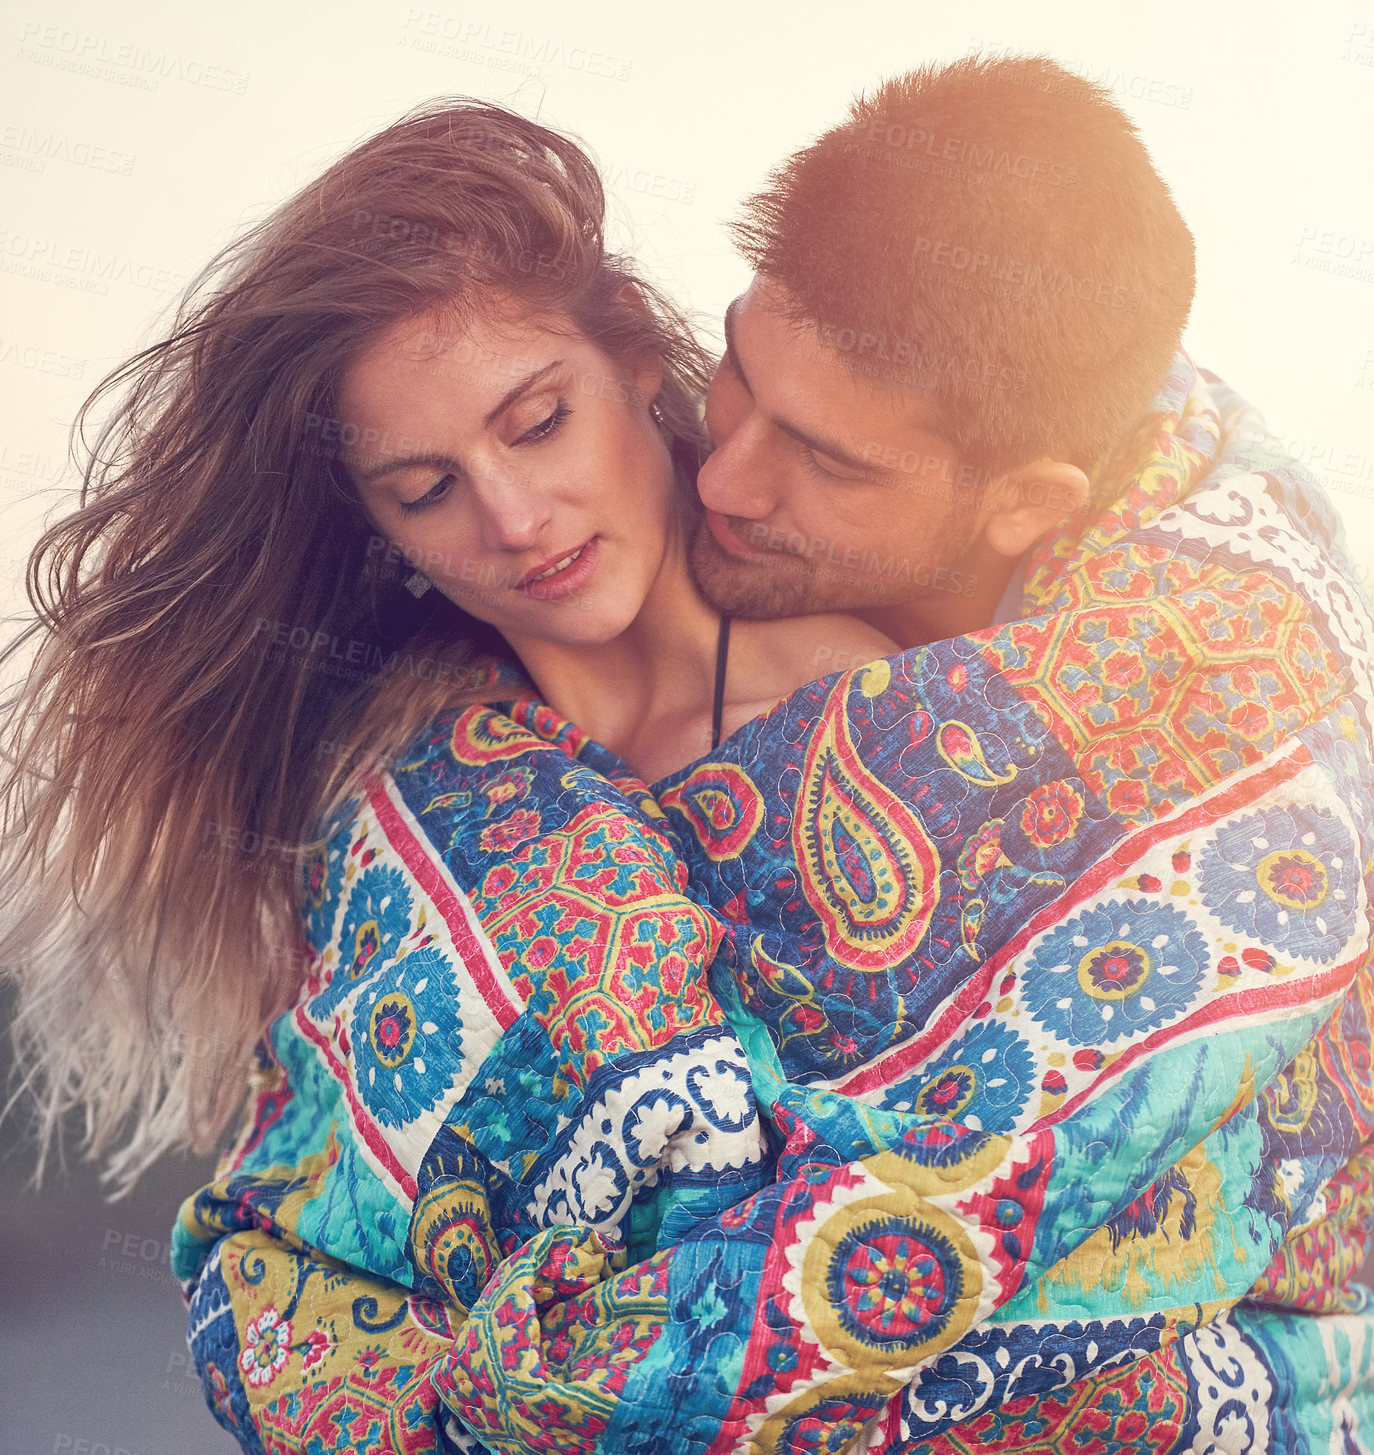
802	648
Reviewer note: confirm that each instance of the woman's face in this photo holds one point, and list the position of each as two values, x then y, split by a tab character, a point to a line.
518	468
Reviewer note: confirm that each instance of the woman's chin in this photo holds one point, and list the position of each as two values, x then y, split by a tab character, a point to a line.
597	630
577	625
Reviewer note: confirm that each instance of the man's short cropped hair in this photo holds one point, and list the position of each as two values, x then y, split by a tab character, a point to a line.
993	235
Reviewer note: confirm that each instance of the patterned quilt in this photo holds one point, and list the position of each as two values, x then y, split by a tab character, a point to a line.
973	1054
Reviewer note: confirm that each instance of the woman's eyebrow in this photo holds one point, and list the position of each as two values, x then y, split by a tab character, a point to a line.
446	462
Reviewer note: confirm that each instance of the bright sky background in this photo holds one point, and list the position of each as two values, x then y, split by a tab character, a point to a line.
151	136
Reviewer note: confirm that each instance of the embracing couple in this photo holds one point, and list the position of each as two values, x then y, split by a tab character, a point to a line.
865	944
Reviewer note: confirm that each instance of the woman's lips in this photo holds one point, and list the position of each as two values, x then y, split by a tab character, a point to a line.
567	579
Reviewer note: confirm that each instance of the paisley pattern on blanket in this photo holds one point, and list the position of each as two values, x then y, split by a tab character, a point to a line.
973	1054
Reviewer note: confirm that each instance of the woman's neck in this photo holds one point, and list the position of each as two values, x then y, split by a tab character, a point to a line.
646	694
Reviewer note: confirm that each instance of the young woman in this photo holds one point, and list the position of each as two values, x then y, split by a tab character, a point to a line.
427	358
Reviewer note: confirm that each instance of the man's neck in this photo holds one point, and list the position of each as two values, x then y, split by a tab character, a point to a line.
965	600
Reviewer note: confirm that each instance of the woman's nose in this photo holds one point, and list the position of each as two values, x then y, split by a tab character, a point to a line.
514	511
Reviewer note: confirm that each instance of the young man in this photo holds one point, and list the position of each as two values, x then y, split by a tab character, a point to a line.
1045	944
967	294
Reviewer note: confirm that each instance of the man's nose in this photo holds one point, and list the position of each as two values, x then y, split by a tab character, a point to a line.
736	478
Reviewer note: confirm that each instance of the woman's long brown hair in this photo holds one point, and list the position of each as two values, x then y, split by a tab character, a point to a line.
223	648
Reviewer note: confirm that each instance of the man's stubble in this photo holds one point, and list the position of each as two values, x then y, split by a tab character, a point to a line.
785	584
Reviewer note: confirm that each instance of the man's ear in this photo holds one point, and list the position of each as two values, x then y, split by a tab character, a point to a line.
1029	502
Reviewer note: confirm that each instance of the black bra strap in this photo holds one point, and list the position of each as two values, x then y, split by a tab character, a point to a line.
718	700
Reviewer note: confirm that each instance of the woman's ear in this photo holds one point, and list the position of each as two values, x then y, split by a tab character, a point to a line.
646	379
646	372
1029	502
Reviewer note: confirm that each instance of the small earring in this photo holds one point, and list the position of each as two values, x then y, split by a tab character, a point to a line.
417	584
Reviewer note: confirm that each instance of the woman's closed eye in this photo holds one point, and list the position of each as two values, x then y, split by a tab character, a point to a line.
432	496
547	427
535	435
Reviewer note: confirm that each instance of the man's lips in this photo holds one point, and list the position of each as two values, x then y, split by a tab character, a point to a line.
567	578
729	541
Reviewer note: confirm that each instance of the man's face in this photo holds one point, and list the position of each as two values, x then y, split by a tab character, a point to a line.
824	491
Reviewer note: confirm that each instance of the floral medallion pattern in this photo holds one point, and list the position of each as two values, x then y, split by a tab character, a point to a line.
1287	878
406	1039
1114	970
376	920
266	1347
1051	814
983	1080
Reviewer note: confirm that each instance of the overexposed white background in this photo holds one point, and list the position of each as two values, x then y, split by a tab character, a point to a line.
136	139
